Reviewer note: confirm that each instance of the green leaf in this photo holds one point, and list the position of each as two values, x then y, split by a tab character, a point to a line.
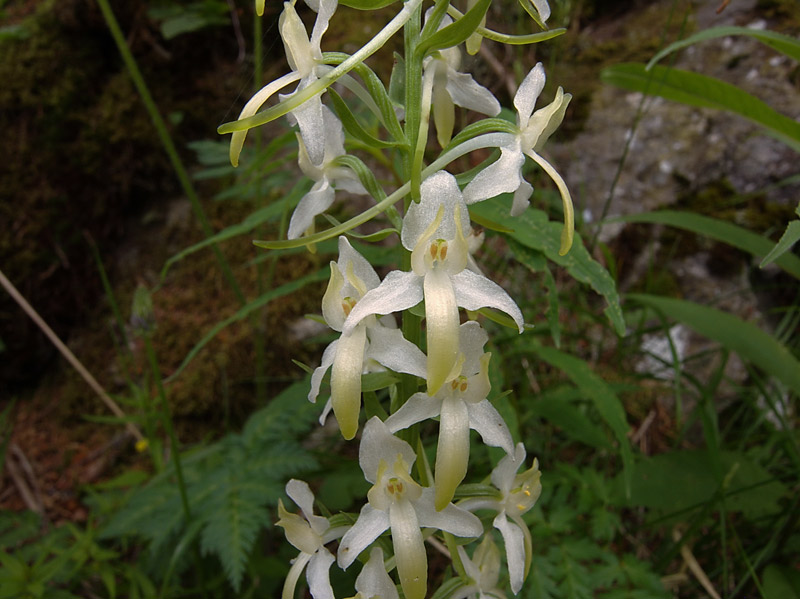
780	582
784	44
719	230
244	312
702	91
537	262
602	395
790	236
456	32
744	338
367	4
533	229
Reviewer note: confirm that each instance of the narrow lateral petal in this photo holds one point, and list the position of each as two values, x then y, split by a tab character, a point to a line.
515	550
318	574
502	176
346	380
389	347
369	526
417	408
319	372
452	518
441	324
469	94
290	584
315	202
398	291
474	291
452	454
409	550
484	418
527	94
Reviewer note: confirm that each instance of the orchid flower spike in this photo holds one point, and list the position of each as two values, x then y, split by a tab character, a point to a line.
435	231
452	88
518	494
326	176
533	130
461	404
309	533
362	348
304	56
400	504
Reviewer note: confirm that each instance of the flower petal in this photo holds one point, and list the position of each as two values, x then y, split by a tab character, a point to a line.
452	518
319	372
441	325
502	176
293	576
444	116
484	418
369	526
361	266
515	550
452	453
301	494
568	231
315	202
506	469
398	291
377	444
318	574
346	380
471	339
409	550
474	291
521	198
324	10
373	581
440	189
310	119
527	94
467	93
395	352
299	53
417	408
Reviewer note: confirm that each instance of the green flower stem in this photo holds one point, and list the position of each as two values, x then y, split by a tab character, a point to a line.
166	140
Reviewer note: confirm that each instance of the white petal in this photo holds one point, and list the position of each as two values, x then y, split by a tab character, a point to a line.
318	574
373	581
293	576
440	189
474	291
568	231
452	518
515	550
471	339
527	93
452	453
348	364
441	326
395	352
521	198
417	408
543	8
398	291
466	92
361	267
409	550
546	120
332	308
296	44
309	116
506	469
502	176
484	418
315	202
301	494
377	444
324	10
316	378
369	526
444	116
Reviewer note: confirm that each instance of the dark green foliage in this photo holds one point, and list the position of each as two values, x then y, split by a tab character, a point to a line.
231	484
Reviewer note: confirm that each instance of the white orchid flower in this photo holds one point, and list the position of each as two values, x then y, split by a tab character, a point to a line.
452	88
518	494
373	582
461	404
326	176
304	56
397	503
483	570
309	533
533	130
363	347
435	231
